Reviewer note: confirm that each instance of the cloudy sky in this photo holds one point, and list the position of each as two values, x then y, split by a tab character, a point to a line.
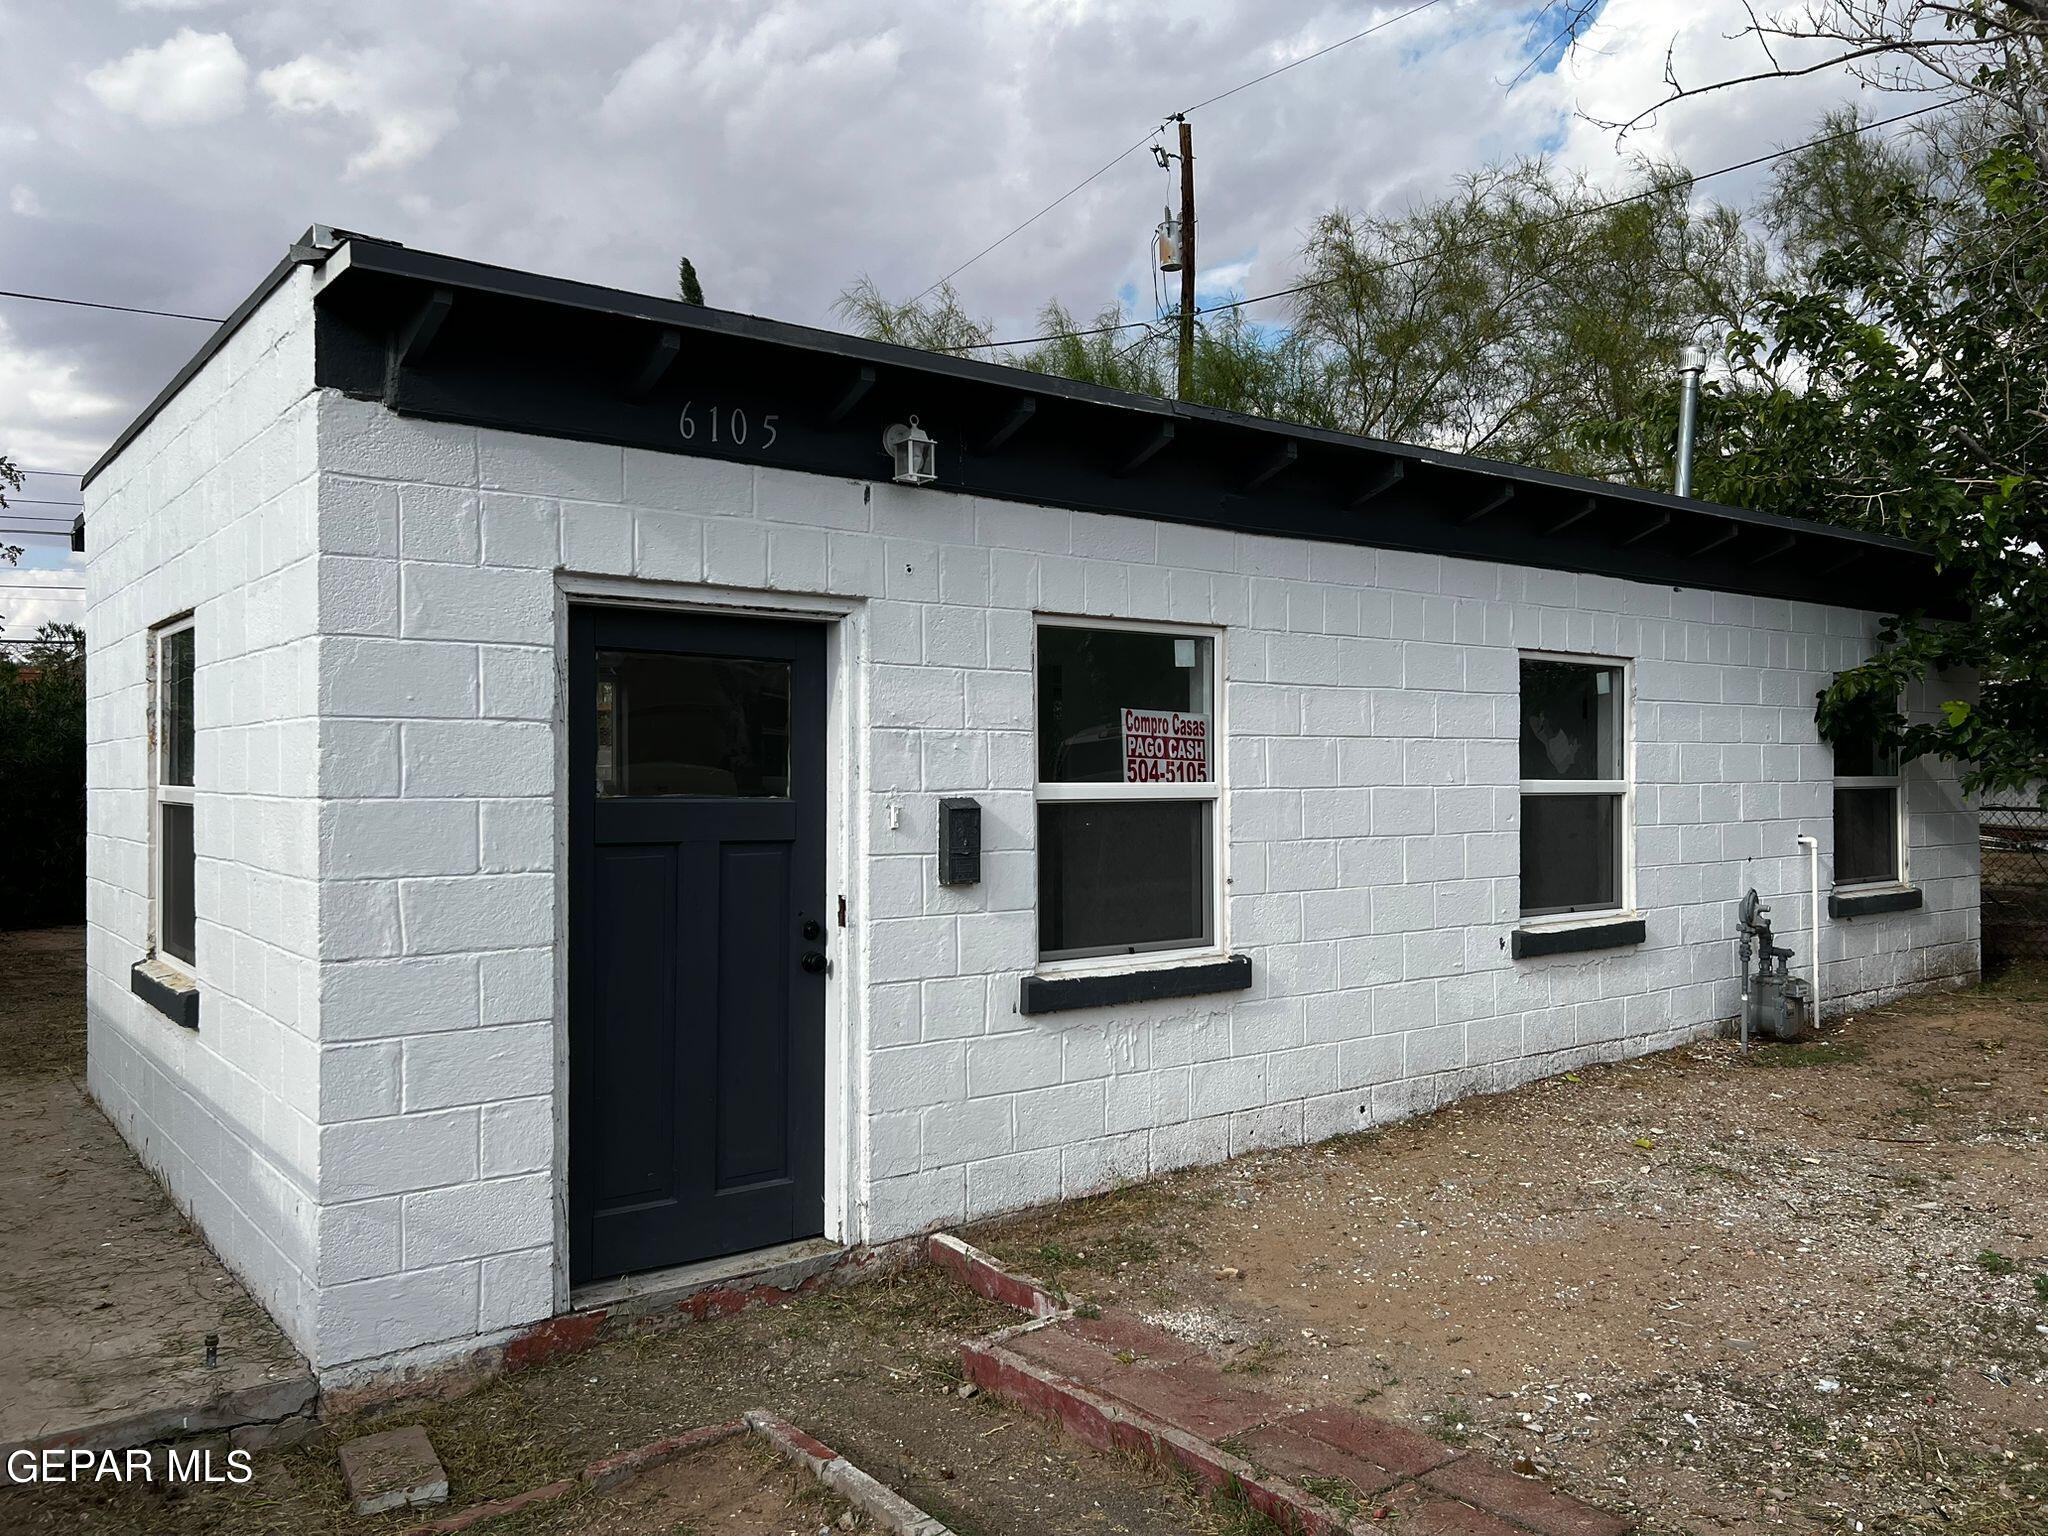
164	153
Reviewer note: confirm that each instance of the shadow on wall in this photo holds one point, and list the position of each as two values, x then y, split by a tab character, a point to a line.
42	778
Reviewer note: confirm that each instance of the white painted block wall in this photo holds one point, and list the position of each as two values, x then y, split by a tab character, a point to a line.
1372	814
211	508
370	1122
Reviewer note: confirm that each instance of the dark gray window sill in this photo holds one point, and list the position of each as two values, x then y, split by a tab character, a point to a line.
1869	903
170	993
1529	943
1057	994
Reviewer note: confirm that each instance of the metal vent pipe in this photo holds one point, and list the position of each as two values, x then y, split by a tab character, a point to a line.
1692	363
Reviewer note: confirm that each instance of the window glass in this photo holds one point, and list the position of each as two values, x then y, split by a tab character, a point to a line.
1122	706
1571	853
175	717
692	725
1571	720
1122	877
174	884
1862	758
1866	835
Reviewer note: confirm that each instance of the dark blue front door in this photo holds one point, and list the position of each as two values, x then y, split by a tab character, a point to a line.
697	946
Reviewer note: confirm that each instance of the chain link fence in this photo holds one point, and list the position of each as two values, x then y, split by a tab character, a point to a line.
2013	834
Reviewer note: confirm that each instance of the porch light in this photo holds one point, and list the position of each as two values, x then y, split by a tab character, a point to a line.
915	454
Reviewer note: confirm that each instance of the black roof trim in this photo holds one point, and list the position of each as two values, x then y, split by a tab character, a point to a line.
314	246
524	352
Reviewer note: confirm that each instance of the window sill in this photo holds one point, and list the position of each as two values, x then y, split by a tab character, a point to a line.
1620	933
171	993
1867	903
1058	994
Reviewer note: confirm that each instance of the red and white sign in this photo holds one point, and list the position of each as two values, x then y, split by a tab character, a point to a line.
1163	746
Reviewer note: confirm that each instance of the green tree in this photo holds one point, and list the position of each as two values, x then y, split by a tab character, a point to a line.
688	289
10	480
938	324
1904	389
42	777
1493	321
1499	318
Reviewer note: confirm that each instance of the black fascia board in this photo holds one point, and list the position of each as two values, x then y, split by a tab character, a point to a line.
311	247
528	353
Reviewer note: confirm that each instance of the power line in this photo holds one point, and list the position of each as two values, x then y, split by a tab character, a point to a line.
61	474
1654	190
39	501
1093	175
122	309
1153	132
1307	58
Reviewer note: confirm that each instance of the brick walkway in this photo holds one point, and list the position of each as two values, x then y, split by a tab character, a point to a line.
1117	1383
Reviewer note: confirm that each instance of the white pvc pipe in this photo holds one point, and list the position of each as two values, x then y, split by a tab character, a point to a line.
1812	847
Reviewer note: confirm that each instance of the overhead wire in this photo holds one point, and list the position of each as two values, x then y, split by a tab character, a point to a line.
1307	58
1152	133
124	309
1640	195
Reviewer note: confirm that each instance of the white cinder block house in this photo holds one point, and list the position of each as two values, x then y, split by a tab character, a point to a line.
561	810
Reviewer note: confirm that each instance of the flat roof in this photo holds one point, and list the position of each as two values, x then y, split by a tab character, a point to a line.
463	341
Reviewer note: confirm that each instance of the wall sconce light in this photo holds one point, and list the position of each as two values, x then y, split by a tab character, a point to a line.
915	454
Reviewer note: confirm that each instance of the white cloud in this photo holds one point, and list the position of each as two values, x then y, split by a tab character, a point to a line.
53	416
32	595
194	77
360	88
23	203
786	149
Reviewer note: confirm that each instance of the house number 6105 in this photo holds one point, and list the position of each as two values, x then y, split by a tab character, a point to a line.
727	426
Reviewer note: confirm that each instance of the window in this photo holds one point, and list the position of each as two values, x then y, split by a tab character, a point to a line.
692	725
1869	800
172	777
1575	787
1127	791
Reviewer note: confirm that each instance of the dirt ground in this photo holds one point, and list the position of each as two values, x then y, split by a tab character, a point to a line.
42	1002
107	1298
738	1487
1803	1292
871	1370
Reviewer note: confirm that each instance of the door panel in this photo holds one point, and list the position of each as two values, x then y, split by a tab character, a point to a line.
753	1129
634	983
697	860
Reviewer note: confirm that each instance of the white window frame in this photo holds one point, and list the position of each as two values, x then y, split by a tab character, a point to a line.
161	794
1895	781
1624	787
1114	793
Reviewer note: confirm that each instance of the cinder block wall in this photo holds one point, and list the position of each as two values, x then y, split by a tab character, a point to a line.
211	509
438	685
1372	818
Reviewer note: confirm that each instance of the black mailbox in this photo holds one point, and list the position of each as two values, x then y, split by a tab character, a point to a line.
959	842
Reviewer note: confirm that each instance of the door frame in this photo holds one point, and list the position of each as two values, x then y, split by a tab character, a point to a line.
841	619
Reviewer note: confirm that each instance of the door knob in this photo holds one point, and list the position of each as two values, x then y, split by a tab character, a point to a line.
815	962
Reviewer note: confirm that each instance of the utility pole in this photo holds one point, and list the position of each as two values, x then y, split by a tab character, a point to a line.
1186	368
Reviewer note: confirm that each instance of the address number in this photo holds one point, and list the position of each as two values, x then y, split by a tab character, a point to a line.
728	425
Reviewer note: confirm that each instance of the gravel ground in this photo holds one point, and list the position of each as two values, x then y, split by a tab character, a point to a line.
1806	1291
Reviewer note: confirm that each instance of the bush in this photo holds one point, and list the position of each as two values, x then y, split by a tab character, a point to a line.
42	779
